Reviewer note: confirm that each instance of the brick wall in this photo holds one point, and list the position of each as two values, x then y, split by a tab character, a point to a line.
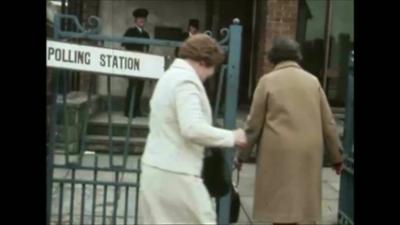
280	20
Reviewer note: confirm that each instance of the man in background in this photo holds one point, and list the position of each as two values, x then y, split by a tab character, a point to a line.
140	17
193	28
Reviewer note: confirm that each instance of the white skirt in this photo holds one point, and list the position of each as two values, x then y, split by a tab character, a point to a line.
172	198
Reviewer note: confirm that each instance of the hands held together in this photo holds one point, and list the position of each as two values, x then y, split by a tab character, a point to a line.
240	138
240	143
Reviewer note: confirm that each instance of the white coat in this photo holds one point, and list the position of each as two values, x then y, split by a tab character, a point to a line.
180	128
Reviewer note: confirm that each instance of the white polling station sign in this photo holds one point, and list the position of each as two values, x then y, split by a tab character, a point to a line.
103	60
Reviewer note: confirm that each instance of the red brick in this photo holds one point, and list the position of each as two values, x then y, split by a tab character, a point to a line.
281	20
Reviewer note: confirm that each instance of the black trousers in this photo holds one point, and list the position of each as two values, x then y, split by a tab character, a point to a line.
139	83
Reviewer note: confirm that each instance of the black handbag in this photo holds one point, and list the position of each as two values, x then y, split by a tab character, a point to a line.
235	204
217	183
213	173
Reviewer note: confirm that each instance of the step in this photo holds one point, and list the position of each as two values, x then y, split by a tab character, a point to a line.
100	143
118	102
99	125
71	147
338	110
339	116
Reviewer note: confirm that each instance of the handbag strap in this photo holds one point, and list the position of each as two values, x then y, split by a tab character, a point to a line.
237	178
240	202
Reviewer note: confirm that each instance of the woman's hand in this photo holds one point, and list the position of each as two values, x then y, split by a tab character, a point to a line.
338	167
240	138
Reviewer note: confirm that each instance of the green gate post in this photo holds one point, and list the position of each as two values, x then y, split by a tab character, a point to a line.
50	150
346	198
231	101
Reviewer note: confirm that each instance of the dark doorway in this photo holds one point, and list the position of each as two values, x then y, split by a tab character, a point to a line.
221	14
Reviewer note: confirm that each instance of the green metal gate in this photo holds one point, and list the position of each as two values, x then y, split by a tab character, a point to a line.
85	188
346	198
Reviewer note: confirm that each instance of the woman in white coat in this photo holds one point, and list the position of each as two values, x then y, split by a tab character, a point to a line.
172	191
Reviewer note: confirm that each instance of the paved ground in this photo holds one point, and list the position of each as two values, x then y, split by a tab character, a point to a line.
103	204
330	194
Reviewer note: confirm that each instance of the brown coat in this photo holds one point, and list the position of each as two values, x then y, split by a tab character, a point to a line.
290	120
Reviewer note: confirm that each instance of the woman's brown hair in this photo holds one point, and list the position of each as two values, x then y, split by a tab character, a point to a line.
201	47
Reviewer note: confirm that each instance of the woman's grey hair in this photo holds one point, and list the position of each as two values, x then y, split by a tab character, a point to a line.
284	49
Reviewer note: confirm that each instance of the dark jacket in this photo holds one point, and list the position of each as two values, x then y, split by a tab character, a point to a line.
135	32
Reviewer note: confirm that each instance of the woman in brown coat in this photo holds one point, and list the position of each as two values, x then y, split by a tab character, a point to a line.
291	121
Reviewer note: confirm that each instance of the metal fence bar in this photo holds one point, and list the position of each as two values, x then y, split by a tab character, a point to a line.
346	201
116	198
105	169
89	182
232	81
85	121
83	203
128	128
66	118
50	154
348	132
96	161
344	219
60	203
110	127
71	208
105	204
93	35
137	192
126	204
219	91
145	41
